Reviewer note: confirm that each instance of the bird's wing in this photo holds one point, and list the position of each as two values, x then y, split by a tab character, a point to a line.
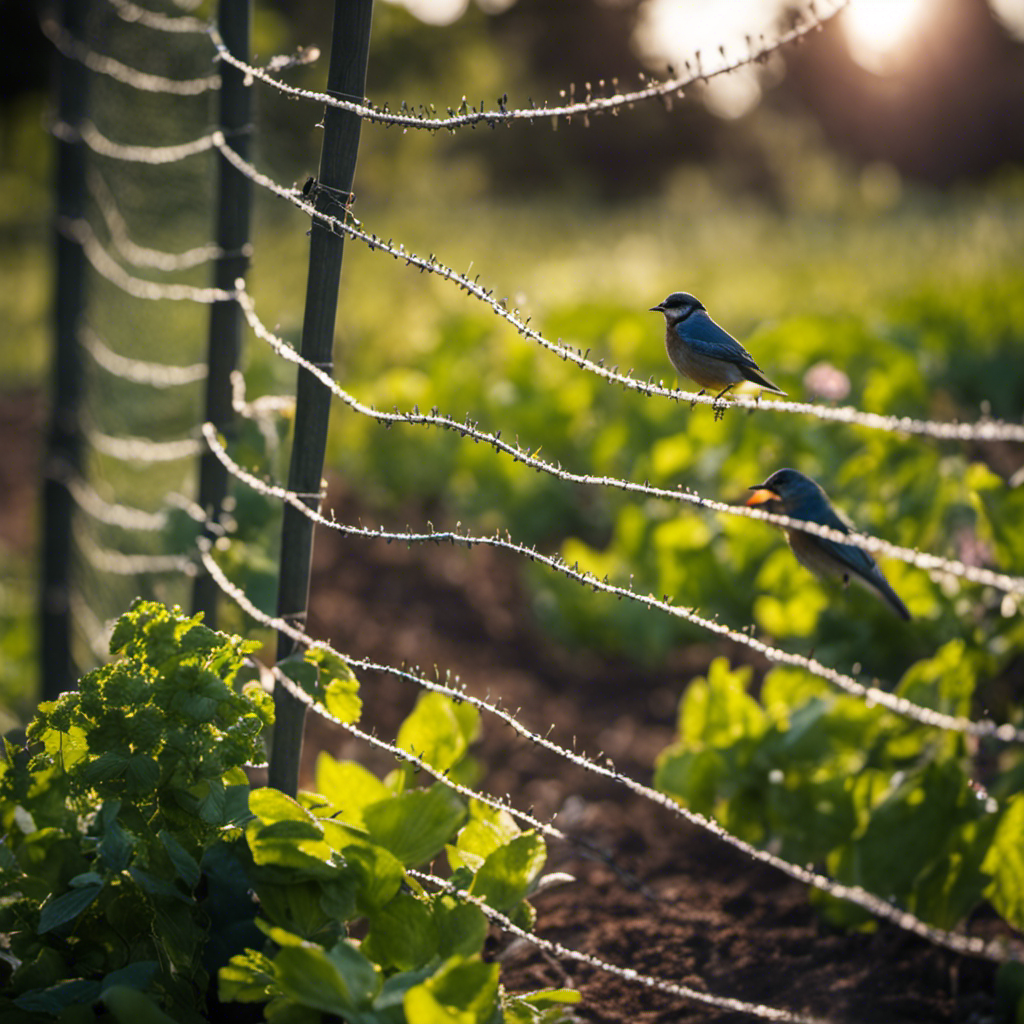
706	338
857	560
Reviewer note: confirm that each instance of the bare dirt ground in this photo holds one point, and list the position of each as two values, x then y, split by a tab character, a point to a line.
679	904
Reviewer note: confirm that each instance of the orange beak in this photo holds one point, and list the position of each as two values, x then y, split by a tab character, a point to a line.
761	495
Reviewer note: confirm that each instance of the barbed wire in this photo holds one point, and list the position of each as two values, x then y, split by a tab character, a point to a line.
97	634
112	513
143	81
982	430
102	145
898	705
138	371
142	449
467	116
80	231
997	950
137	255
135	15
922	560
116	563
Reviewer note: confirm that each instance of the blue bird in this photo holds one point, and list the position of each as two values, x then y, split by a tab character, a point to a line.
789	493
706	353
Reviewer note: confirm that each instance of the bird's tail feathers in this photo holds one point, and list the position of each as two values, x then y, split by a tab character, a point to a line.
758	378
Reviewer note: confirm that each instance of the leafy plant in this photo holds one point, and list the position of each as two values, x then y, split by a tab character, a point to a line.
882	802
143	877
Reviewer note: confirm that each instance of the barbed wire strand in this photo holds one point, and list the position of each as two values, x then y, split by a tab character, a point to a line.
97	634
106	266
591	105
101	64
922	560
871	694
629	974
101	145
138	371
142	449
135	15
982	430
997	950
112	513
116	563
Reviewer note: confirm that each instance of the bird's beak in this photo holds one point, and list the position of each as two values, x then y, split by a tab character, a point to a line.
657	309
761	495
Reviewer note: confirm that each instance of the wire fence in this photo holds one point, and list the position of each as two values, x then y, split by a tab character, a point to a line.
104	239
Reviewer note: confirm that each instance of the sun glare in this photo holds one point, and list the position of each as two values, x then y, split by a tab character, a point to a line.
877	31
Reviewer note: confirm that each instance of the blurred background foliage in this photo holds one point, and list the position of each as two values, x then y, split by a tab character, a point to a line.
855	216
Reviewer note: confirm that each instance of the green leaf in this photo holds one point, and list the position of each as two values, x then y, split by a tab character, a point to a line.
379	871
142	773
130	1006
116	846
487	829
271	805
56	998
339	981
403	934
463	991
248	977
1004	862
341	697
155	886
348	786
109	765
415	825
184	863
508	873
137	975
67	907
434	732
462	927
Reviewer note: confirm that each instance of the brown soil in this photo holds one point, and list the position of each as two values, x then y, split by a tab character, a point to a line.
678	904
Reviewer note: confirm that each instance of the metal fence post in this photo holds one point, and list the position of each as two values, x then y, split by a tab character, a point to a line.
346	77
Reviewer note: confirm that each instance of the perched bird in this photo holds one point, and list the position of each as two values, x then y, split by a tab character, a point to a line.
789	493
706	353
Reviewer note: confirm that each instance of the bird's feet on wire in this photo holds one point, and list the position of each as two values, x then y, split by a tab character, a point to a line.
720	407
693	402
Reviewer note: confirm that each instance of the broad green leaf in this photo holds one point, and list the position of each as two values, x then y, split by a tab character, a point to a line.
433	732
415	825
1004	862
462	927
137	975
463	991
184	863
348	786
487	829
509	871
56	998
337	981
341	697
155	886
67	907
380	873
130	1006
248	977
402	934
270	805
